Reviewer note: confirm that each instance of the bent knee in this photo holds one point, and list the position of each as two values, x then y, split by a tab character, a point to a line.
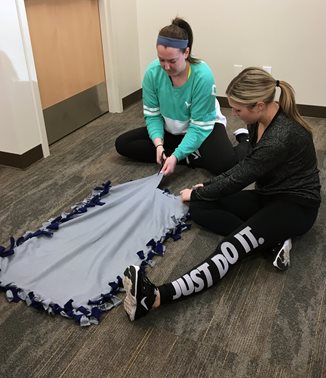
195	211
121	145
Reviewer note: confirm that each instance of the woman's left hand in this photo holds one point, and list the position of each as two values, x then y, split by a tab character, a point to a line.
185	195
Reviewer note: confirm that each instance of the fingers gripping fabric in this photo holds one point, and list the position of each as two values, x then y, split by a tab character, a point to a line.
74	263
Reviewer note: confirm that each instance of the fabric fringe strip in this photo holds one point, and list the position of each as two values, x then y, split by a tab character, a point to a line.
104	302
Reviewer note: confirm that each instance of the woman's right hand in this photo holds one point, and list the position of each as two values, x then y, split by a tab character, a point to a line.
185	195
160	155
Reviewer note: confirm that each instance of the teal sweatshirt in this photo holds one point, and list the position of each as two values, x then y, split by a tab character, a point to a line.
191	109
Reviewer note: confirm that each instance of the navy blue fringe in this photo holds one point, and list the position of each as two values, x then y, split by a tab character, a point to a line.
103	302
94	200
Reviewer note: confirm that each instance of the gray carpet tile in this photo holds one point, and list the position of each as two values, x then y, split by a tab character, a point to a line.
257	322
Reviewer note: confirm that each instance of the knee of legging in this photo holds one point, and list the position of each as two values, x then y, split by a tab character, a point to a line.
195	211
120	145
223	165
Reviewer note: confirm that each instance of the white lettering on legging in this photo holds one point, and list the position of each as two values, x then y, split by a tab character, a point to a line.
221	263
189	283
228	247
246	232
222	260
193	282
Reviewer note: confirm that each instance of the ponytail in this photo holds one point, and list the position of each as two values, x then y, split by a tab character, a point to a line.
288	105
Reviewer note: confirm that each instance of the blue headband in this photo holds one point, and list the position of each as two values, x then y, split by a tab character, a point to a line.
172	42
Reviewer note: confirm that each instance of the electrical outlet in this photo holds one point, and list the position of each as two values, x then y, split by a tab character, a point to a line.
268	69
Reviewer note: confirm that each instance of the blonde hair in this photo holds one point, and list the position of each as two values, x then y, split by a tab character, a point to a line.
255	84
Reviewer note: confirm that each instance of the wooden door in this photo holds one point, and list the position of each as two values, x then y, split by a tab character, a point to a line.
67	49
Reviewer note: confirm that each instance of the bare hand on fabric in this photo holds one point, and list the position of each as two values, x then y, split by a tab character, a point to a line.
186	193
160	155
169	165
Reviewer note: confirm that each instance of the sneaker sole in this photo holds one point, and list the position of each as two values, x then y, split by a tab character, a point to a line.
130	302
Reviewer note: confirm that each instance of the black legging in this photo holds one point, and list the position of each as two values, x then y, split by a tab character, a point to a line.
252	223
216	153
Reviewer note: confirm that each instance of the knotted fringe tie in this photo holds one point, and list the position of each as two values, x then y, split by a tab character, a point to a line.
103	302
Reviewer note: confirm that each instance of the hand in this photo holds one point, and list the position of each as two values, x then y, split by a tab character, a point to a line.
169	165
185	195
160	155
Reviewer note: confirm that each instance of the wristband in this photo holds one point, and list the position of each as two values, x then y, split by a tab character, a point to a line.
159	145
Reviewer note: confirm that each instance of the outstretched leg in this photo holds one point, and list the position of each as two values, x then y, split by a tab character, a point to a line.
260	232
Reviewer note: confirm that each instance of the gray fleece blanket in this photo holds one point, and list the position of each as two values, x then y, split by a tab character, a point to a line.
74	263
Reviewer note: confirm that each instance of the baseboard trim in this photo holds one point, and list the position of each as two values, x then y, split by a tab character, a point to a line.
305	110
21	161
132	98
312	111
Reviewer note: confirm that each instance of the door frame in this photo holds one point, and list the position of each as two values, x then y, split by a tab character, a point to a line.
110	65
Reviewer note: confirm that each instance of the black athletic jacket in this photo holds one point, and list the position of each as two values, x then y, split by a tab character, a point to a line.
282	164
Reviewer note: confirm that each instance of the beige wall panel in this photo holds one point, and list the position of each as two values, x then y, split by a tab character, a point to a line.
67	47
287	35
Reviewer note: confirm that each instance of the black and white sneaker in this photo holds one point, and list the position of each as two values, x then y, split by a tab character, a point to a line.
241	134
282	259
140	292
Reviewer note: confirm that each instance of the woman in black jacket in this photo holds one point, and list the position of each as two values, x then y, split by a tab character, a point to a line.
284	203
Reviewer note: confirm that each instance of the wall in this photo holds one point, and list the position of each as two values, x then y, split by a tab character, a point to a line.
121	51
288	35
20	119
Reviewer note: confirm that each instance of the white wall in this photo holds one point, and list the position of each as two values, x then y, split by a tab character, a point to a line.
121	51
20	123
288	35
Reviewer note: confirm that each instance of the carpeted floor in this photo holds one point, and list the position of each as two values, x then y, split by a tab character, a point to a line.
257	323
